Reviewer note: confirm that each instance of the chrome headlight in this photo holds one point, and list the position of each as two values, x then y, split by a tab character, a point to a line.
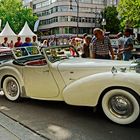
123	69
135	65
138	68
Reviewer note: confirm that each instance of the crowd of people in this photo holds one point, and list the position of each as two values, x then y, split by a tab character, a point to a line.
19	43
97	46
125	45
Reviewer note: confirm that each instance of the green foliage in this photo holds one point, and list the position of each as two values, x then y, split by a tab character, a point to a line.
14	12
112	22
129	11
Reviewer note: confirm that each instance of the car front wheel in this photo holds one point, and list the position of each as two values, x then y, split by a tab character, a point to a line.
120	106
11	89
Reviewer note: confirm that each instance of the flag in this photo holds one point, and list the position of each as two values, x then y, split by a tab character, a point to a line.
36	25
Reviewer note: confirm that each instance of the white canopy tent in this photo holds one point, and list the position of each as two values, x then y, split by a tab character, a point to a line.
8	32
26	32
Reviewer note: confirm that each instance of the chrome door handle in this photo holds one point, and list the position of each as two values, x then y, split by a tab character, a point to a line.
46	71
72	79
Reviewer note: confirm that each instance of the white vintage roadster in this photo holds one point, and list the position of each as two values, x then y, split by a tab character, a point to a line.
58	74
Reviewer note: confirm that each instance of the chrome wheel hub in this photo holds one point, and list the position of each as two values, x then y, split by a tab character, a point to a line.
120	106
12	88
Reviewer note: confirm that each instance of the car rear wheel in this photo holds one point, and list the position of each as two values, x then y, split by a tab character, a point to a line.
11	89
120	106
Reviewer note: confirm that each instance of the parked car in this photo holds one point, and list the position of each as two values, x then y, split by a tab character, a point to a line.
55	74
5	54
136	49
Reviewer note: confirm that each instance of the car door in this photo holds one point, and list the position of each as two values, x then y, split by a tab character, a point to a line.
39	82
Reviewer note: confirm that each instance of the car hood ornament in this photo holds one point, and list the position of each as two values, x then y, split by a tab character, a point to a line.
113	70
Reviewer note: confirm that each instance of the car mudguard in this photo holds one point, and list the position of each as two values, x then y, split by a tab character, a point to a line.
86	91
14	72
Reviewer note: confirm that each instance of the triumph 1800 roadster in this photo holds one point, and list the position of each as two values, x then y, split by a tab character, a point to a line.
58	73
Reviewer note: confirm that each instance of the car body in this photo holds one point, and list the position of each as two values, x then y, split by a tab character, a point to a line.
56	74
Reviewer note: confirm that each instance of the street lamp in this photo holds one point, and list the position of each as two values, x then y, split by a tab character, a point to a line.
98	17
77	3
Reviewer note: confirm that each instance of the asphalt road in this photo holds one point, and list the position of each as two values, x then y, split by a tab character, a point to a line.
59	121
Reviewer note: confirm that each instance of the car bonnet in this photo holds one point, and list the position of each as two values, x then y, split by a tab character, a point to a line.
91	63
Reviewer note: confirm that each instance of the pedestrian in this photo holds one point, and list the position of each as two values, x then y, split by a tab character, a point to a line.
11	44
18	43
27	42
83	37
54	42
45	43
128	45
86	47
101	46
5	42
34	42
73	43
120	45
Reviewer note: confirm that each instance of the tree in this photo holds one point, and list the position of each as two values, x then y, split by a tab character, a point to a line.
112	22
129	11
14	12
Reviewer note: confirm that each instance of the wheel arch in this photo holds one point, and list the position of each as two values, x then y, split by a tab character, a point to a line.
3	78
118	87
23	92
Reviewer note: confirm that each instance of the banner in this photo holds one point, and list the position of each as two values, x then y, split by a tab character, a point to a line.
36	25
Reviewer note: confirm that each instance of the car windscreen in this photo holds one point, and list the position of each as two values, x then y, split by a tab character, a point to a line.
60	53
21	52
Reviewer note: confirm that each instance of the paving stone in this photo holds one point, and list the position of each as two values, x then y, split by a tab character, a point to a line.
13	130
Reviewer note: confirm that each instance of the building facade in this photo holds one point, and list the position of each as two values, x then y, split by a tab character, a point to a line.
69	16
27	3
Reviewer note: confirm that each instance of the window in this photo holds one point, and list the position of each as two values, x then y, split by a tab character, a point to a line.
53	1
98	1
63	19
38	5
44	3
34	6
44	13
86	10
39	14
86	1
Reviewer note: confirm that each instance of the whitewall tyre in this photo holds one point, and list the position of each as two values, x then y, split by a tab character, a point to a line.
120	106
11	89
